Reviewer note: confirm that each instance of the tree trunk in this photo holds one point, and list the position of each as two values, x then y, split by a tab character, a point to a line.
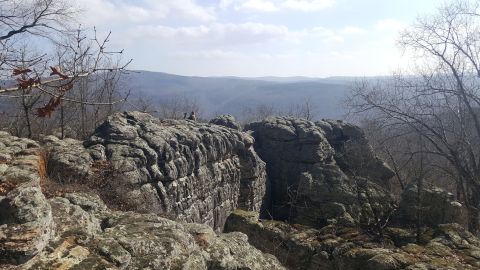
474	213
62	122
419	209
26	111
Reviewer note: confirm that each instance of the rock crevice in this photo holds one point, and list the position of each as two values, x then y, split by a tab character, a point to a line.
307	184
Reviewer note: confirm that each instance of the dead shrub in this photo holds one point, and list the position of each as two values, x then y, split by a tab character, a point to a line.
201	240
42	163
5	187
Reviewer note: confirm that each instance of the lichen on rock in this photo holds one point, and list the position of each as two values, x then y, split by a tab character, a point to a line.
307	185
335	247
182	169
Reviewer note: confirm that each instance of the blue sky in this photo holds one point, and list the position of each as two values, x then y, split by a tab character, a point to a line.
316	38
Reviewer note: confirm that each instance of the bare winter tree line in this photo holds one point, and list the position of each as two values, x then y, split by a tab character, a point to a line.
176	106
426	122
67	88
73	84
298	109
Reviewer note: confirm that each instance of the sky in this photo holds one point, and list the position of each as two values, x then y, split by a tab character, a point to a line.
252	38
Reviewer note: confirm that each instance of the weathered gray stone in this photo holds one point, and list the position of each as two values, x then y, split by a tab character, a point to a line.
68	161
353	153
98	238
337	247
226	121
182	169
436	206
26	223
307	186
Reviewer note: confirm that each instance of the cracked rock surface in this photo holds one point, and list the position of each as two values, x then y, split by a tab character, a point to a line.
78	231
26	222
334	247
185	170
90	236
307	185
226	121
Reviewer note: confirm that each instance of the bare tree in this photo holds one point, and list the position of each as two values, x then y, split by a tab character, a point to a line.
303	109
37	17
79	79
441	102
20	19
176	106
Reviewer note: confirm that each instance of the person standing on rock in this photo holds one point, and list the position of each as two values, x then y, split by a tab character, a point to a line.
192	116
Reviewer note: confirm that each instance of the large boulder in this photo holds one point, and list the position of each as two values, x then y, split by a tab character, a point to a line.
306	185
189	171
226	121
78	231
68	160
353	153
26	223
90	236
435	206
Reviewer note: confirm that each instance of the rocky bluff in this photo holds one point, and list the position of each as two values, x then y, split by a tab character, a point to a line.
318	173
321	173
75	230
312	194
181	169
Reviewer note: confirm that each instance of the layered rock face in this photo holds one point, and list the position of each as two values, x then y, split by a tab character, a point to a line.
307	185
182	169
78	231
334	247
353	153
226	121
26	223
90	236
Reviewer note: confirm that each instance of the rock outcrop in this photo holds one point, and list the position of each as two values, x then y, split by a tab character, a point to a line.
226	121
63	202
333	247
90	236
307	186
26	223
185	170
78	231
353	153
436	206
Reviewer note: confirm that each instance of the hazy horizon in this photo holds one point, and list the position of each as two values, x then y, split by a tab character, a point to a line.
340	76
258	38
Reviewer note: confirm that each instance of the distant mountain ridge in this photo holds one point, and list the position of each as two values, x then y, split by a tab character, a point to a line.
233	95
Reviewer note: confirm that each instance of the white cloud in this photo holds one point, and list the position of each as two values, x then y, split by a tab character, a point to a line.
114	11
258	5
352	30
323	34
390	25
218	35
211	54
307	5
277	5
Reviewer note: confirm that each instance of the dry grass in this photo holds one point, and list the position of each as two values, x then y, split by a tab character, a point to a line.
42	163
99	183
5	187
52	188
201	240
